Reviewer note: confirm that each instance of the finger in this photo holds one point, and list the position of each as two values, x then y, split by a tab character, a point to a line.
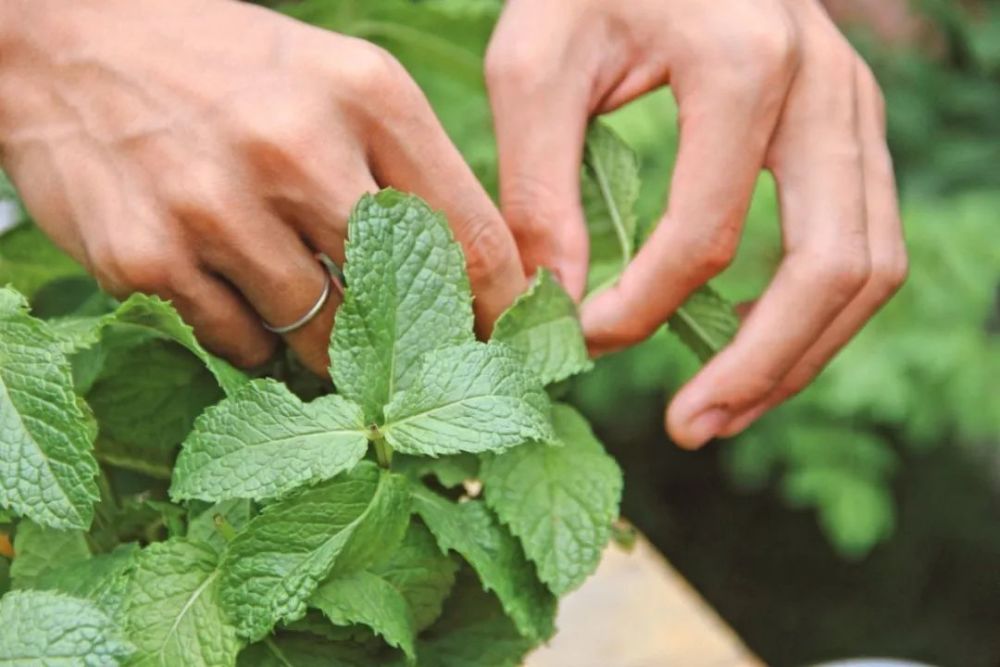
723	140
540	116
276	273
816	161
888	255
412	153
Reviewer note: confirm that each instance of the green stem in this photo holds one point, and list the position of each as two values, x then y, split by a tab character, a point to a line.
224	527
383	451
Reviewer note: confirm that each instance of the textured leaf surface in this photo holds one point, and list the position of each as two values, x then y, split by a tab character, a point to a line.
422	573
159	317
544	328
407	294
40	550
46	628
469	398
450	470
470	529
560	501
275	564
101	579
294	649
609	190
47	471
706	322
368	599
172	608
473	632
202	525
263	442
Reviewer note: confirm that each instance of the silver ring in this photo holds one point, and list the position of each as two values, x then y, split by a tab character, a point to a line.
305	319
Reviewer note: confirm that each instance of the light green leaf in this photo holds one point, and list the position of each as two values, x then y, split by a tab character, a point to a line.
468	398
470	529
706	322
473	632
46	628
544	328
422	573
560	501
102	579
450	471
263	441
407	294
345	524
159	317
609	189
47	471
294	649
39	550
368	599
172	608
202	525
28	260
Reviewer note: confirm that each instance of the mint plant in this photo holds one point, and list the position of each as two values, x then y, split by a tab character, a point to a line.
311	527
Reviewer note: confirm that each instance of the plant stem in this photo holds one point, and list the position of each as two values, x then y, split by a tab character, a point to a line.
224	527
383	451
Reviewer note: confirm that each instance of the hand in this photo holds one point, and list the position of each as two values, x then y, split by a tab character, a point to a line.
759	84
206	151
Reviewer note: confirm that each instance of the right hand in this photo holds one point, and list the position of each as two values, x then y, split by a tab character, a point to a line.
205	151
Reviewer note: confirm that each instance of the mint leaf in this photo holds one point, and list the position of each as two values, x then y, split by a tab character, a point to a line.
544	328
609	189
172	608
705	322
468	398
202	525
29	260
407	294
102	579
450	471
293	649
365	598
274	565
46	628
39	550
470	529
158	317
422	573
263	441
560	501
473	632
47	471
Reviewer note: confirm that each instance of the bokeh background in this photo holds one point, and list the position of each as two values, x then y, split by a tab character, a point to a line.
863	517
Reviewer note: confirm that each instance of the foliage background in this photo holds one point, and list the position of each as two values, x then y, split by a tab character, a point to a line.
862	517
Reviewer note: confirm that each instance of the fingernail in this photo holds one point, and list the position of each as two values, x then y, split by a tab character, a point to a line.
706	426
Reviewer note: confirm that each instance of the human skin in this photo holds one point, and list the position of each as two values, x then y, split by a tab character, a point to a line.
760	84
206	150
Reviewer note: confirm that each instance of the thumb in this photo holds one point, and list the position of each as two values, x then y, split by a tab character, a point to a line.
540	116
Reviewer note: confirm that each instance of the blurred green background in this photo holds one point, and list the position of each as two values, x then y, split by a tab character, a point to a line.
861	518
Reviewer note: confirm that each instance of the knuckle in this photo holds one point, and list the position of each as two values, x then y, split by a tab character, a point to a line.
713	253
374	70
513	66
488	245
889	275
844	274
136	267
765	53
255	354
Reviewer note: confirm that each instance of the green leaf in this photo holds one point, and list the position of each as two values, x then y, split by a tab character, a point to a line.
706	322
172	608
544	328
46	628
39	550
202	525
345	524
470	529
294	649
422	573
609	189
473	632
29	260
158	317
102	579
407	294
263	441
146	399
469	398
368	599
47	471
560	501
450	471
